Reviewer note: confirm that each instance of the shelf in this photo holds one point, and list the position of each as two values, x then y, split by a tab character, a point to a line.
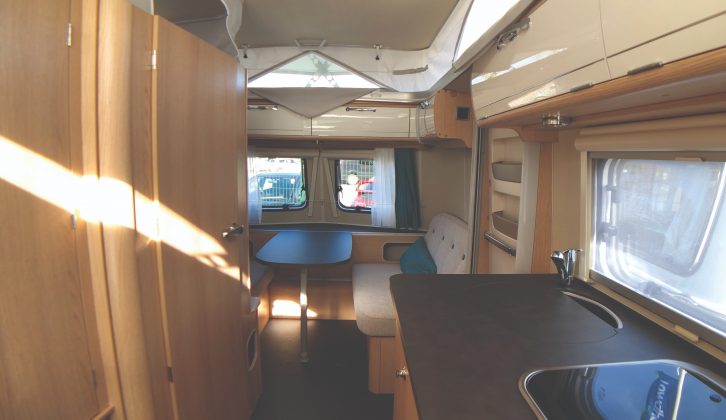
504	225
509	188
507	171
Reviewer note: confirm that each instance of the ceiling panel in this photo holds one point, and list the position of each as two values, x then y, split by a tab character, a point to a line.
396	24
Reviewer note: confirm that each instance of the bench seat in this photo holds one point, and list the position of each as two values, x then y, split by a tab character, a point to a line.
374	312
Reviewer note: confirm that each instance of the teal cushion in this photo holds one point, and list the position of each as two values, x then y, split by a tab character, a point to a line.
417	259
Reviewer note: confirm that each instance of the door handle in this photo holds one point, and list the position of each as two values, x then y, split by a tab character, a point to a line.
232	230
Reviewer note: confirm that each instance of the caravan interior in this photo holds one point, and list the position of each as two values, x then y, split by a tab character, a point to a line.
318	209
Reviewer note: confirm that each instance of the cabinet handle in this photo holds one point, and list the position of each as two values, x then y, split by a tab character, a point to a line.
359	109
402	373
509	34
233	230
262	107
647	67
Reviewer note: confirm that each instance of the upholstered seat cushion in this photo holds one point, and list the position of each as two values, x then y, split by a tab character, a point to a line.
374	311
446	241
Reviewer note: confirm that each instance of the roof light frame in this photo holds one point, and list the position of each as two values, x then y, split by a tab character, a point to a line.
369	82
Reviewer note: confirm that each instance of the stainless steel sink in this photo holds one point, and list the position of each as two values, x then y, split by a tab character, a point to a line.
659	389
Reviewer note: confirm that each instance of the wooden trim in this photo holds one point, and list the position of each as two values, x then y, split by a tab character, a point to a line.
537	134
483	265
82	121
542	244
115	162
370	248
677	71
677	108
155	188
447	126
142	161
89	240
264	311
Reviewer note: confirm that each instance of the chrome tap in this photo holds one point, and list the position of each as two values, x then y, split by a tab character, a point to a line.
565	262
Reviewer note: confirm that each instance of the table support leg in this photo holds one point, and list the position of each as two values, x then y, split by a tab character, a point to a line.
304	316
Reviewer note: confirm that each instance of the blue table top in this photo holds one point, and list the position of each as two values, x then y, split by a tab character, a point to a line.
307	248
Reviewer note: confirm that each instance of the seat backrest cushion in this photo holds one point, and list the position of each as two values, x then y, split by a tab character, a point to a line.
417	259
447	241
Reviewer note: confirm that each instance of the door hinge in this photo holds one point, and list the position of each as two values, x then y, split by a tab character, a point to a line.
170	374
73	221
153	60
69	39
94	378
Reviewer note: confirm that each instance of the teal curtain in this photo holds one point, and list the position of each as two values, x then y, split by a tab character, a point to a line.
408	205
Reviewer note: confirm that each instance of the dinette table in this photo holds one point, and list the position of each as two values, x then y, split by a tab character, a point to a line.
304	249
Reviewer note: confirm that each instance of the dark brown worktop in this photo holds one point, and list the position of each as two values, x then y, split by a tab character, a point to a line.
468	340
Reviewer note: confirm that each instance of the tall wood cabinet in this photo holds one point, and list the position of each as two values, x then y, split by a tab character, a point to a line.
122	161
48	346
197	136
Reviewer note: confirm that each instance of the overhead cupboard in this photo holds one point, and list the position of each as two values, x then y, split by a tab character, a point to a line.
274	120
446	116
352	120
645	34
607	40
345	121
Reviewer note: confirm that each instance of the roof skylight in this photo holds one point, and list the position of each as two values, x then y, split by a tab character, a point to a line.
483	14
311	70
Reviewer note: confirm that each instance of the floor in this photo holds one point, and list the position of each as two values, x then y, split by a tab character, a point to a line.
333	385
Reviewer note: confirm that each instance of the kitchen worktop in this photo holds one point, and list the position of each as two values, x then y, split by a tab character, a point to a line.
469	340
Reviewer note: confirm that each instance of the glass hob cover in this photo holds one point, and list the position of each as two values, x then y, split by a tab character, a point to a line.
647	390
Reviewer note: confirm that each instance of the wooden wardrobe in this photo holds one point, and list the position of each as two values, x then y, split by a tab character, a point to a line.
120	297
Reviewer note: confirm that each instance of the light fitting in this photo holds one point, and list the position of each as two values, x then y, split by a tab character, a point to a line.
555	120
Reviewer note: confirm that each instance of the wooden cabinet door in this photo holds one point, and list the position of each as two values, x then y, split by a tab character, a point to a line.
404	404
45	366
196	111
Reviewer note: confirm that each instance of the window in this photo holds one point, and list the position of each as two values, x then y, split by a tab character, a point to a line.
660	231
481	17
355	183
280	182
311	70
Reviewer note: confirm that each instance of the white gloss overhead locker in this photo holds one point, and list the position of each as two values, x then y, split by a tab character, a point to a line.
363	121
563	36
276	120
648	33
577	80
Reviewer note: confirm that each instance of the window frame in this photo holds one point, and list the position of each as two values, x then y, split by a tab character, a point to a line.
287	207
592	215
341	207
